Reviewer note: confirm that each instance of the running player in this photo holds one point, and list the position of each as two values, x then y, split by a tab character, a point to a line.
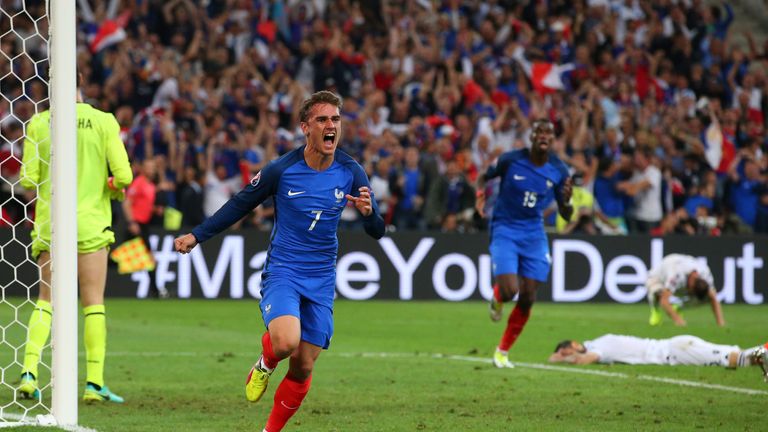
679	350
310	186
99	151
673	281
530	180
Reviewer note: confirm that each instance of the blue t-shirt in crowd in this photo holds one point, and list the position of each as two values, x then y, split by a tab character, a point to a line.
610	200
745	199
410	188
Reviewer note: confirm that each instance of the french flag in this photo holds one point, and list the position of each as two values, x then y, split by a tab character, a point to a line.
110	32
545	77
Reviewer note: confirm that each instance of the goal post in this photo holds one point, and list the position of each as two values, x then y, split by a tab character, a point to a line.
38	72
63	94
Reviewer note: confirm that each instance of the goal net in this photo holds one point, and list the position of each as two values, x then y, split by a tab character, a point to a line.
24	91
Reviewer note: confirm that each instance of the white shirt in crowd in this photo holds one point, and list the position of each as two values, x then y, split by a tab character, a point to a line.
679	350
647	206
218	192
380	189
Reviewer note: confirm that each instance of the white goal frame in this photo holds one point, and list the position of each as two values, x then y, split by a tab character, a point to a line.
63	94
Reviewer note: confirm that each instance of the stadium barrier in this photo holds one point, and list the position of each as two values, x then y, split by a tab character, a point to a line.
433	266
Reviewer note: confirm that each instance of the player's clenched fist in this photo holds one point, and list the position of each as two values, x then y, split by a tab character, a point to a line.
362	202
185	243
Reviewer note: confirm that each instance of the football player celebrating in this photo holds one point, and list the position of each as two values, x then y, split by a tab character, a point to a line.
530	181
311	186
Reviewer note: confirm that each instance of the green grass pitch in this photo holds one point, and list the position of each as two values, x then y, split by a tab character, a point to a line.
181	366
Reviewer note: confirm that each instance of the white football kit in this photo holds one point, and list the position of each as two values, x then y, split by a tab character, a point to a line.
672	274
679	350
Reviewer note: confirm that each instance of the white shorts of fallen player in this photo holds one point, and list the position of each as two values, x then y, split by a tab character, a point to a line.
690	350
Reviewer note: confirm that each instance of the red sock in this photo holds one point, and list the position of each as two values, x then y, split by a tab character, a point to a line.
515	324
288	399
270	359
497	293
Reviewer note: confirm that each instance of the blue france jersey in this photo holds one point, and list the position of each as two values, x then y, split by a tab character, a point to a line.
526	190
308	205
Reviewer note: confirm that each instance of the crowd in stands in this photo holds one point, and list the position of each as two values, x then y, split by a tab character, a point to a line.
661	117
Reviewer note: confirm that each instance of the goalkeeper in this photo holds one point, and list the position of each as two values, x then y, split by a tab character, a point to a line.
99	151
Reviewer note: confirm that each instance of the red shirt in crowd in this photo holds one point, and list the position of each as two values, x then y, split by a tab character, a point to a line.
141	194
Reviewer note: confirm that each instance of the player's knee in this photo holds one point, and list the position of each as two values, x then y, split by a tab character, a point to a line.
508	293
507	289
284	346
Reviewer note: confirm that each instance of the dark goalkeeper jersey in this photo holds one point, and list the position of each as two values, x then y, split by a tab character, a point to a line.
308	205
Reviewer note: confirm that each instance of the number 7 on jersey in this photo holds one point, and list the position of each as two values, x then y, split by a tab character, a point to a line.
317	214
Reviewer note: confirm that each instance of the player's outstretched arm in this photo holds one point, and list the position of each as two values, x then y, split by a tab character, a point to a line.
261	187
667	306
716	308
575	358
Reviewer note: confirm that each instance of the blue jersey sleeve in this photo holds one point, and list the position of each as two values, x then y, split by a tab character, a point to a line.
499	168
502	165
373	223
262	186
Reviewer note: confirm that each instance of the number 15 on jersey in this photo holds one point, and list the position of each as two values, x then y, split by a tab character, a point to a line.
529	200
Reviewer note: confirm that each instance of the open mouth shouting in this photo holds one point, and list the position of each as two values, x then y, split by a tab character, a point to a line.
329	140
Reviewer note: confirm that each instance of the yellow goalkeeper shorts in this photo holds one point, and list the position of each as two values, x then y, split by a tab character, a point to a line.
104	239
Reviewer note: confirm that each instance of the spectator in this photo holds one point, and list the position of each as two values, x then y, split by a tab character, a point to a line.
140	208
609	205
191	197
748	184
645	189
381	181
450	201
761	220
583	203
410	190
441	79
220	185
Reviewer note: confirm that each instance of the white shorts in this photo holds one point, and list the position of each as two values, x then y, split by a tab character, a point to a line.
690	350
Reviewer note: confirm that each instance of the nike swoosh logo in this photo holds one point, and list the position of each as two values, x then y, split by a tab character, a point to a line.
292	193
518	177
290	408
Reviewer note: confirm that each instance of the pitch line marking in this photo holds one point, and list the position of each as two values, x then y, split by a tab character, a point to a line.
30	420
472	359
564	369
